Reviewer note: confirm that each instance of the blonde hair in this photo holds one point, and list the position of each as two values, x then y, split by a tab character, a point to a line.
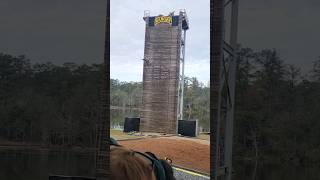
124	165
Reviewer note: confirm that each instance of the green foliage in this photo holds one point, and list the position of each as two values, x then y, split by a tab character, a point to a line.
48	103
197	102
277	110
276	113
126	98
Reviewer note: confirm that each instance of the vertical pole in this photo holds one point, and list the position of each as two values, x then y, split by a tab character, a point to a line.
232	83
234	24
144	123
103	152
216	55
179	76
182	79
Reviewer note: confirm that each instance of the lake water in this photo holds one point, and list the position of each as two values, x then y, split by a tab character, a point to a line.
37	165
117	117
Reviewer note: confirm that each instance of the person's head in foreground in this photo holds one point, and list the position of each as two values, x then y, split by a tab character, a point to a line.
126	164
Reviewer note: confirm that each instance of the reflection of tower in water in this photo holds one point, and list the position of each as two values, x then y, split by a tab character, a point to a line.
163	56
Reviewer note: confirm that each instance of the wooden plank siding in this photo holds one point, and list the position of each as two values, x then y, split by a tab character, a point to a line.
161	78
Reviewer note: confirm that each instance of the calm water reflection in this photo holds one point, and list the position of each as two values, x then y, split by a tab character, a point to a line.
37	165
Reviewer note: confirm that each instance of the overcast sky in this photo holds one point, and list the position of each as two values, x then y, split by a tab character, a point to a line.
128	29
73	30
290	26
53	30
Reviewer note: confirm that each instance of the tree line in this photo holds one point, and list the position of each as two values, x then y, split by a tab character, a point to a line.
58	104
277	108
47	103
127	96
276	113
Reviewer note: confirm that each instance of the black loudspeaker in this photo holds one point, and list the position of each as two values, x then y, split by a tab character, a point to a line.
131	124
187	128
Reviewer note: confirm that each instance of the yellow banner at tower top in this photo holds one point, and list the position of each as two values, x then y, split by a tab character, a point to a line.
163	19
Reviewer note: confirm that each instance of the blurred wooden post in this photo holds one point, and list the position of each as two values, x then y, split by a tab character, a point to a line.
103	150
222	88
216	55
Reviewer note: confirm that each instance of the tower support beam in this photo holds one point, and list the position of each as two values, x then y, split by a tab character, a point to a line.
222	88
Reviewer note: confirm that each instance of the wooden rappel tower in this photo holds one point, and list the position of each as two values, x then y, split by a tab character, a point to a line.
162	75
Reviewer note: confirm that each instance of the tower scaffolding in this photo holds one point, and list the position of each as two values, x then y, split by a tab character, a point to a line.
182	67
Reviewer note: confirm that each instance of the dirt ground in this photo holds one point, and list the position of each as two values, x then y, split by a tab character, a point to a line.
190	153
120	135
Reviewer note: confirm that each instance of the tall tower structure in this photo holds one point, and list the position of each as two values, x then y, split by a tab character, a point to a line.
163	56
